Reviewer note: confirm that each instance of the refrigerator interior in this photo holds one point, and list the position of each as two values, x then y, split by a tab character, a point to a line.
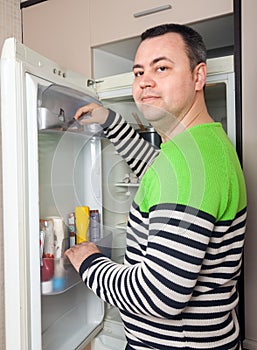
112	336
220	101
119	185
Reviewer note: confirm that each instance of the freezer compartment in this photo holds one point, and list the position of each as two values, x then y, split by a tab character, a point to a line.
59	121
56	107
57	104
48	120
58	275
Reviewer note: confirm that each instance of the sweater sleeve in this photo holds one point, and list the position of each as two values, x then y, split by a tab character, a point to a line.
138	153
162	283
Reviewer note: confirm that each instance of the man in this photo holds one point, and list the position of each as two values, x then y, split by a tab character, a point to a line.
177	288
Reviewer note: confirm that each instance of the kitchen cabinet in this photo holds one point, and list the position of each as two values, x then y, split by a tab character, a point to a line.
59	30
120	15
66	32
117	57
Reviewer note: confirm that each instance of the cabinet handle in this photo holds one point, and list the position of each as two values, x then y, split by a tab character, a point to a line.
151	11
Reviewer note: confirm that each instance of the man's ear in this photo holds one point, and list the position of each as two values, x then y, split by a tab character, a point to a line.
200	73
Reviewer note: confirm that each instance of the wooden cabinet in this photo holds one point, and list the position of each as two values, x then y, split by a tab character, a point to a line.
59	30
116	20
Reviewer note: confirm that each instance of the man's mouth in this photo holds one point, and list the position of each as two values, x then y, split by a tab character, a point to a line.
149	98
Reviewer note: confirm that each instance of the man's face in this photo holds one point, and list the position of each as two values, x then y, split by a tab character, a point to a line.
164	84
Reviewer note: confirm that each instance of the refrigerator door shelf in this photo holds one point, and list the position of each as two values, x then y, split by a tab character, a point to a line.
64	276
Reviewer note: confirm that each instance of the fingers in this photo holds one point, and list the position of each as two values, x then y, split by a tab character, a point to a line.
85	110
78	253
96	114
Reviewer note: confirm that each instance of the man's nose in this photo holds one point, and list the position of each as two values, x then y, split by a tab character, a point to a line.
147	82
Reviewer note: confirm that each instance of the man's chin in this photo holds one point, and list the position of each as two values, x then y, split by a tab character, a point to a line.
151	113
164	122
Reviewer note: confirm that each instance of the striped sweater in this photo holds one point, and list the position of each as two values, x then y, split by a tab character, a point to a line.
177	288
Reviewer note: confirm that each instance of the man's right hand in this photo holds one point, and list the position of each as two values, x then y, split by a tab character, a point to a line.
96	114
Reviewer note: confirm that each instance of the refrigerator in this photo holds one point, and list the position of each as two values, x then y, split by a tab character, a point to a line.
51	165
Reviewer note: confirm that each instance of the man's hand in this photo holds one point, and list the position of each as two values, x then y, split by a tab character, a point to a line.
78	253
96	114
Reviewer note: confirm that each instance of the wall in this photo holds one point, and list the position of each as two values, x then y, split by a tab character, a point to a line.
10	25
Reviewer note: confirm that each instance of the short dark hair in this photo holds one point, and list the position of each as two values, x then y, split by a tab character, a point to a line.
195	46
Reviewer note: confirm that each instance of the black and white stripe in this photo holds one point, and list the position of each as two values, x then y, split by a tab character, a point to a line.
170	296
138	153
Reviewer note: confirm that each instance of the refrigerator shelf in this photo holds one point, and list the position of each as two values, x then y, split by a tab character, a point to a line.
122	226
85	132
124	184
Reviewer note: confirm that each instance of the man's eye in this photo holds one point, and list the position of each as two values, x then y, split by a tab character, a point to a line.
138	74
161	69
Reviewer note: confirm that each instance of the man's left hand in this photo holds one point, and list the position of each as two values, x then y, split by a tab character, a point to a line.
78	253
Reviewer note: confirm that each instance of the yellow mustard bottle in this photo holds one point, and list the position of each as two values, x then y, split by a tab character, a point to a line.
82	217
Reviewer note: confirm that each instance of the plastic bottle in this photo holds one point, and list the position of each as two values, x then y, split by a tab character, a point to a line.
82	217
72	229
94	225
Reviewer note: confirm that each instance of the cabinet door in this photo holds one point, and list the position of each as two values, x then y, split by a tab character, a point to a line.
116	20
59	30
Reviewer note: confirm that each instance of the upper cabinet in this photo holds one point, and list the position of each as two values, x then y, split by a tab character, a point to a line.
59	30
98	38
118	20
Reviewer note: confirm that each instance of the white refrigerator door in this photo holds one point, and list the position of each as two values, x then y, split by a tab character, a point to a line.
69	319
